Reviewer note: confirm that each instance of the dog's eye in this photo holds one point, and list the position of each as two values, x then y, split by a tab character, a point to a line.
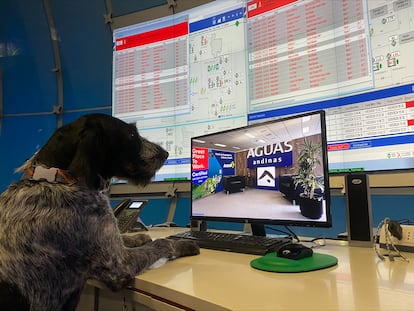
132	135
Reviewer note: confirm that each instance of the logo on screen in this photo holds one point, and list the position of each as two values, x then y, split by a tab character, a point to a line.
277	155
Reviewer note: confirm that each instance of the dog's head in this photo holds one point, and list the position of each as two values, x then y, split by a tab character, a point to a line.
98	146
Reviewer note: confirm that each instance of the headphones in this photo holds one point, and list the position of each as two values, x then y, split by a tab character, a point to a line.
392	228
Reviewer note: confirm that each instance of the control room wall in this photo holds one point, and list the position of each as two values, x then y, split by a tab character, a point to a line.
29	85
29	69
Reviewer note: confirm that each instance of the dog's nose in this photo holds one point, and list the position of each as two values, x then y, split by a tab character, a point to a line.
163	154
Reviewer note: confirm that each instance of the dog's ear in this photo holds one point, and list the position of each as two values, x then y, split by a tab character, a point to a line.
88	160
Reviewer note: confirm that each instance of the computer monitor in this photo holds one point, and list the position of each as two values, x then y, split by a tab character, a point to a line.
253	174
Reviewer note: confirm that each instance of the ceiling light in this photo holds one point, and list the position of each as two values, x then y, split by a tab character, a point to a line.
199	141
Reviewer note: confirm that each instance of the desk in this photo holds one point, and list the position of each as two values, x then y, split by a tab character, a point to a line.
217	280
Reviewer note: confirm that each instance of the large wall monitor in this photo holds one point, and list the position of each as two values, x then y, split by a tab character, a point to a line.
181	76
229	63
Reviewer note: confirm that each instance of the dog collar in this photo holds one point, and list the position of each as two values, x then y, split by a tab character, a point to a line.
52	175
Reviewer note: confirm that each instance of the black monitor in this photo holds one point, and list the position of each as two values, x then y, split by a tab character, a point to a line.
254	174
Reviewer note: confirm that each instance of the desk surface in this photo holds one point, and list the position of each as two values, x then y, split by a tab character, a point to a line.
217	280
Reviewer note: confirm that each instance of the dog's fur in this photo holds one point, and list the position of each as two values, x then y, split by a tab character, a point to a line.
54	236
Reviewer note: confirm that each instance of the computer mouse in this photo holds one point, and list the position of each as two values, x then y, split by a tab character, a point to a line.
294	251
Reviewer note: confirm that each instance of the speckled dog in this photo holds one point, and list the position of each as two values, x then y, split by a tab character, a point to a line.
57	228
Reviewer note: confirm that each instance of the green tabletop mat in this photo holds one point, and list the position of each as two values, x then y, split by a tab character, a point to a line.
272	263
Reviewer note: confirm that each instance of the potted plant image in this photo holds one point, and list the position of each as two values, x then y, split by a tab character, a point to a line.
311	185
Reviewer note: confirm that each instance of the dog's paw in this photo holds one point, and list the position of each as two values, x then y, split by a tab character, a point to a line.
176	248
136	240
186	248
165	247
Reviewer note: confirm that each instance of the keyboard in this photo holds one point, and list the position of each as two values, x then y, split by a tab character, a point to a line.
233	242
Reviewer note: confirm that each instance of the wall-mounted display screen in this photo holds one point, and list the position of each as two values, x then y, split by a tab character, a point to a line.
230	63
182	75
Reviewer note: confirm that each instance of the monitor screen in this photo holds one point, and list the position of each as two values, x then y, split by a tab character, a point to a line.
230	63
257	174
180	76
350	58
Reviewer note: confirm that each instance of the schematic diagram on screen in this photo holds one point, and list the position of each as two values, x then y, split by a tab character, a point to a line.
217	81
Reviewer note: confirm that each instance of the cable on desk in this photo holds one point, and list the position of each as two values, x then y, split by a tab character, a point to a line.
292	234
289	233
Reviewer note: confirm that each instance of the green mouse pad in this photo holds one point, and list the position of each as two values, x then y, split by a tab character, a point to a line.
272	263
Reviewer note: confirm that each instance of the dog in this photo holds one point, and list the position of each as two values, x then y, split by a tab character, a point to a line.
57	228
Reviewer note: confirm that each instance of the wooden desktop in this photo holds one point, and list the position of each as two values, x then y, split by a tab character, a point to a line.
217	280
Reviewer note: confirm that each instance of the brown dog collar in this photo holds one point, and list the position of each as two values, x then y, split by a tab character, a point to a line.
52	175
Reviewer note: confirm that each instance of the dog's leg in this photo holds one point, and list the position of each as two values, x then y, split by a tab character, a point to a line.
73	300
136	240
11	298
121	264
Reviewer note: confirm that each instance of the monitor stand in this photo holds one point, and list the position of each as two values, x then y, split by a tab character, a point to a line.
258	229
